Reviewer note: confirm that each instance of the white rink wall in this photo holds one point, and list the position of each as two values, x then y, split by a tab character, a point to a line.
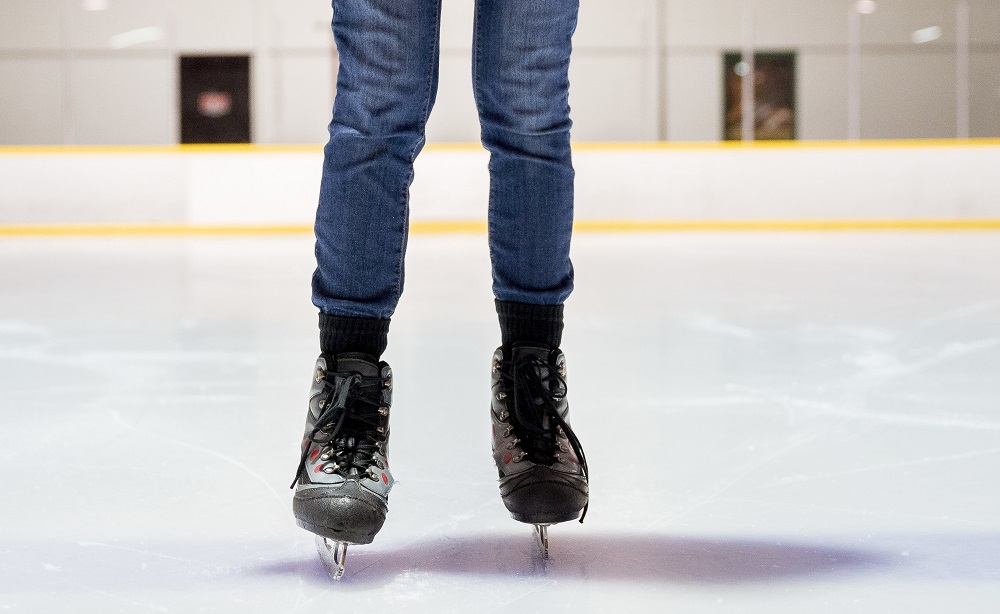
267	186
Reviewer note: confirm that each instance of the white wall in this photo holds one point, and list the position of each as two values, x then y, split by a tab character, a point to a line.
908	90
642	69
62	82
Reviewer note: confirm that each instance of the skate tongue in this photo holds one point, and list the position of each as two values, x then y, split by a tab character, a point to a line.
526	350
356	362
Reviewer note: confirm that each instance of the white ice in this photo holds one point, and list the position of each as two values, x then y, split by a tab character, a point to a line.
775	423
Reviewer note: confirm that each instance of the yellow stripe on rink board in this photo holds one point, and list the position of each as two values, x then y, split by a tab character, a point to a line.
785	225
128	150
738	145
446	227
609	146
636	226
145	230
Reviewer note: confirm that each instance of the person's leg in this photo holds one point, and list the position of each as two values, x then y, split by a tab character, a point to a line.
522	50
520	73
385	90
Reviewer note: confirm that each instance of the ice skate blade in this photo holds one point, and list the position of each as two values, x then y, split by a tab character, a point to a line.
333	554
542	539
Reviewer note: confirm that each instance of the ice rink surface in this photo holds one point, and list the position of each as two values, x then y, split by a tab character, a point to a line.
801	422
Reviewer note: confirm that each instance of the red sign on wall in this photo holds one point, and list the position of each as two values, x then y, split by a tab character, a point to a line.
215	104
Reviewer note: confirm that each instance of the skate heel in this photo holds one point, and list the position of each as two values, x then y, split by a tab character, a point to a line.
333	554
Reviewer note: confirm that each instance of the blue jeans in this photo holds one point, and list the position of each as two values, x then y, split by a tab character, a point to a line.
385	91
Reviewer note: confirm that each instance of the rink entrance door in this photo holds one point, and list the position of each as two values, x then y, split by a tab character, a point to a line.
215	99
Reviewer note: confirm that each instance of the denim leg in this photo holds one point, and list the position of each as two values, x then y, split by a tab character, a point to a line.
385	90
520	74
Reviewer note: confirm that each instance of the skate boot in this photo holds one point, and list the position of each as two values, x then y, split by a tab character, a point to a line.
342	483
543	471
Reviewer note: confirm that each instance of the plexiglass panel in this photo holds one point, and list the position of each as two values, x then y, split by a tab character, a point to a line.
642	69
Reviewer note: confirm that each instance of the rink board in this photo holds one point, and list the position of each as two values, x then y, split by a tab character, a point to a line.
632	185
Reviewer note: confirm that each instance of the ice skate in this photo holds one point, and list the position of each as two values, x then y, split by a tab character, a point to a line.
343	481
543	471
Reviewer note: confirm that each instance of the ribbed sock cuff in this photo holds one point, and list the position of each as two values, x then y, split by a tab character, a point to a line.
527	323
339	334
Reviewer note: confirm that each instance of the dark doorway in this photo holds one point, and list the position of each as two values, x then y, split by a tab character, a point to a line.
774	96
215	99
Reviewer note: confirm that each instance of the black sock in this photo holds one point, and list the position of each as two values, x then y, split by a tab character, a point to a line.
339	334
527	323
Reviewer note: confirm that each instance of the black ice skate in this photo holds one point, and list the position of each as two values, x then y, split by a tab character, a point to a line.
343	481
543	471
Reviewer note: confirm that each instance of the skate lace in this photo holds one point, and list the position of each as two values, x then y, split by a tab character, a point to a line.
537	389
350	429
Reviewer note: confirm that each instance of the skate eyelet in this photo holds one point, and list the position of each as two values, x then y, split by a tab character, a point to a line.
324	457
501	396
383	410
329	469
504	414
381	430
387	384
508	431
320	375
